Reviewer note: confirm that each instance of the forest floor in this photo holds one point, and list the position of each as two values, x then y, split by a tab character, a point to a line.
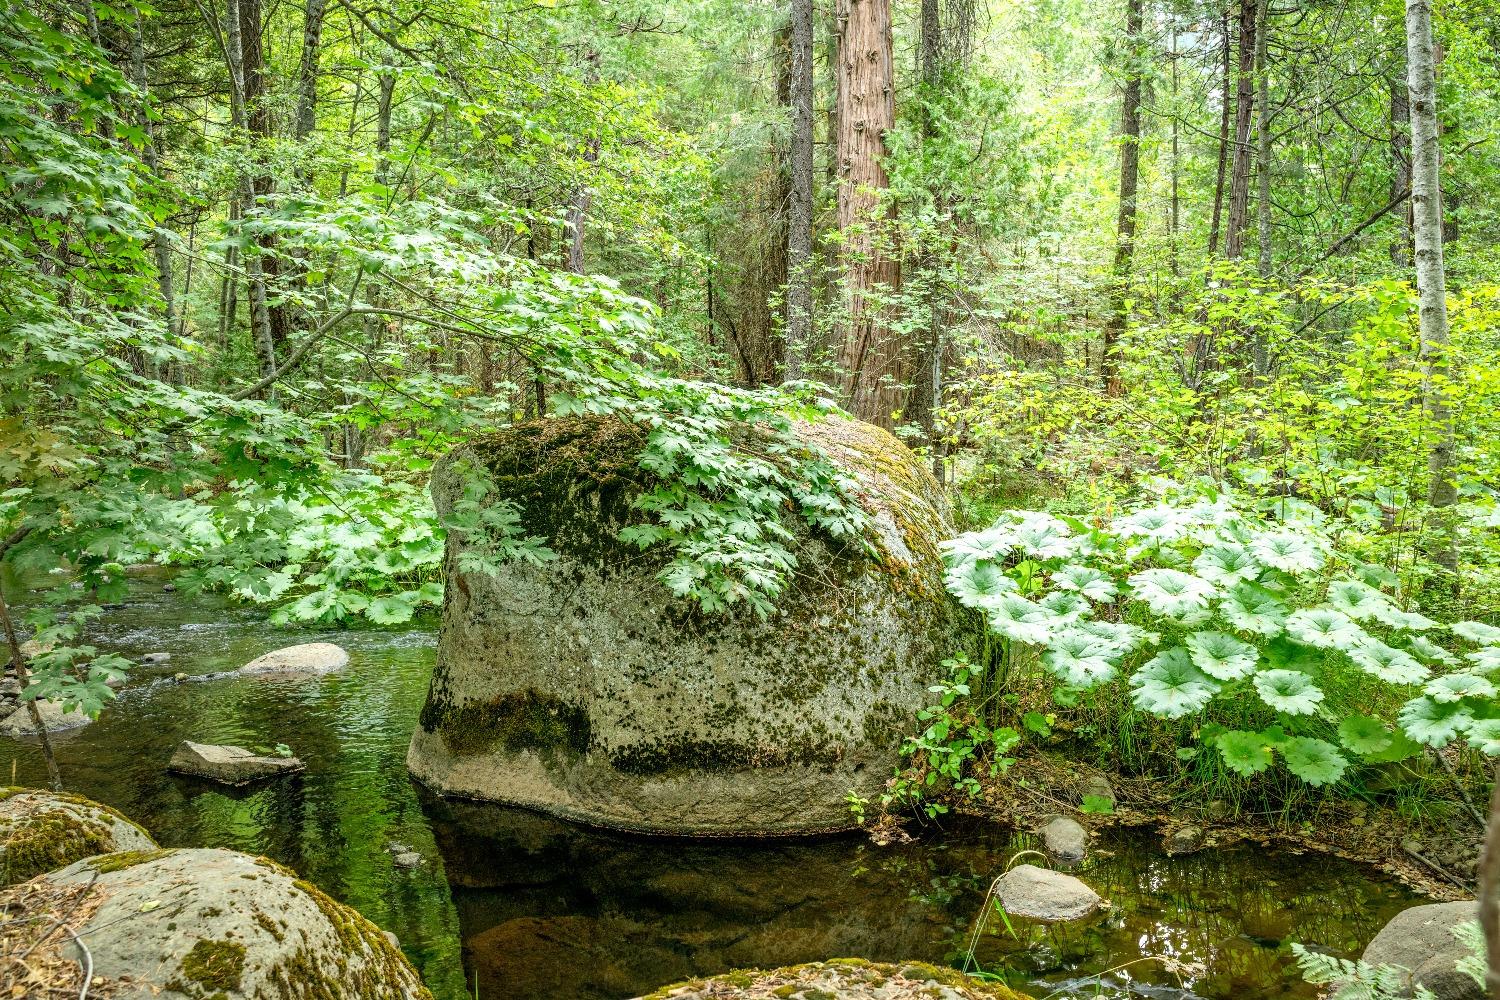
1437	856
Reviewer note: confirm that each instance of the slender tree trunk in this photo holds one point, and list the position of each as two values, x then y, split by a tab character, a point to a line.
1217	225
799	236
1174	212
927	368
1427	226
1130	169
1244	113
260	318
18	663
872	356
1401	247
386	93
307	73
152	155
583	195
1260	358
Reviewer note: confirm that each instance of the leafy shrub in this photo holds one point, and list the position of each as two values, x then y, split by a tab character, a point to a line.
1197	603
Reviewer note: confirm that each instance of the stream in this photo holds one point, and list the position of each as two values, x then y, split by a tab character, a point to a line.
526	907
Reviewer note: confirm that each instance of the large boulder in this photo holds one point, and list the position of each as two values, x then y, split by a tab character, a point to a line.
582	687
203	925
1420	940
840	979
43	831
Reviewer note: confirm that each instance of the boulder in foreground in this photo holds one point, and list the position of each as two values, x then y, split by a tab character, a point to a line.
304	658
840	979
1029	891
229	765
42	831
1421	941
203	924
583	688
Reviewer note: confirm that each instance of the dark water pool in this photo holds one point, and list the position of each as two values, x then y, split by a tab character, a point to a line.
539	910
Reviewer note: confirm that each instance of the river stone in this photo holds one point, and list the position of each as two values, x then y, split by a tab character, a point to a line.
581	687
42	831
214	925
840	979
20	723
1029	891
1421	941
228	765
1065	838
304	658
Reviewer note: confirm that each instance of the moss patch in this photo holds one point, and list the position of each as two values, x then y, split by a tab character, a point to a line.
215	965
520	720
51	839
120	860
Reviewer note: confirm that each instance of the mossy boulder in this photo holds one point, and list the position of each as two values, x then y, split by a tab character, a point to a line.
42	831
840	979
582	687
212	925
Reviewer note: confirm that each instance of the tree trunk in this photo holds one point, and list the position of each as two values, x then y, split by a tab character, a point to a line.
872	355
1401	247
260	319
18	663
927	368
799	235
1244	114
1260	358
152	155
1217	225
583	195
1427	230
387	93
307	73
1130	170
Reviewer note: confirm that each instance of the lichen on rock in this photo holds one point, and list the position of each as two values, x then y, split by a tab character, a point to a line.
41	831
581	686
839	979
212	925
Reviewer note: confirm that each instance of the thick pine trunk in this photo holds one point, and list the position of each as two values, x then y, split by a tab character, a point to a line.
799	234
1130	170
872	356
1427	231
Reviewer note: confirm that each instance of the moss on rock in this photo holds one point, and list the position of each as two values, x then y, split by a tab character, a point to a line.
42	831
840	979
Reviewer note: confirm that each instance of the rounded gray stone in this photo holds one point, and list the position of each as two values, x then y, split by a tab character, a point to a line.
1065	838
1421	941
582	687
1029	891
304	658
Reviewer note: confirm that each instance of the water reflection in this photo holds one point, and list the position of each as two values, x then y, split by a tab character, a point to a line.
551	911
542	911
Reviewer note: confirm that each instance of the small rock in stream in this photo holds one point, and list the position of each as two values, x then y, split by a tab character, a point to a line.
151	658
169	588
1184	839
1065	838
304	658
408	859
228	765
1029	891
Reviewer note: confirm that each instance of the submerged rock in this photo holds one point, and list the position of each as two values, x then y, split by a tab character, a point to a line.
1065	838
1421	941
1029	891
1184	839
19	722
229	765
213	924
840	979
583	688
42	831
304	658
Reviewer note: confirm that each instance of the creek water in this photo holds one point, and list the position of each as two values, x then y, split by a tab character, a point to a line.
531	909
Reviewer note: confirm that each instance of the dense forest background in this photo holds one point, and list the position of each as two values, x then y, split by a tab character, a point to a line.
266	261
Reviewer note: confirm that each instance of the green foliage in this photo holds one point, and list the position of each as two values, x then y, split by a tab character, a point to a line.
1359	980
955	747
1209	609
